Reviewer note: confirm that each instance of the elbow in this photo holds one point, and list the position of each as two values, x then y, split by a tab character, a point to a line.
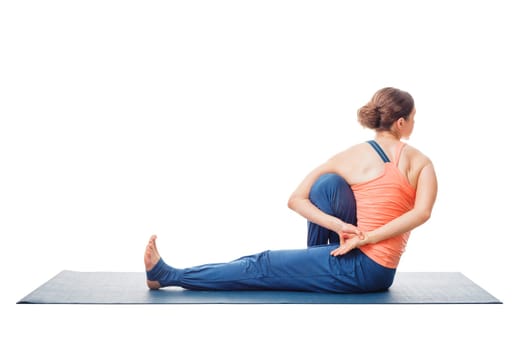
292	202
424	215
295	202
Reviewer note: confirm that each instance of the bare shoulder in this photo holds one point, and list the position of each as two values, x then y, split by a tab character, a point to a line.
351	152
416	157
356	164
413	162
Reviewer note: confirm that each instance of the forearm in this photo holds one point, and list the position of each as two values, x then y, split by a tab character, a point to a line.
308	210
400	225
425	198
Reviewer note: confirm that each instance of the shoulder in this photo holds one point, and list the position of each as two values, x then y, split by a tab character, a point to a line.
416	156
416	164
353	153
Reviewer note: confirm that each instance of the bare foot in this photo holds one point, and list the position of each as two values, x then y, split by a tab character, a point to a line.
151	258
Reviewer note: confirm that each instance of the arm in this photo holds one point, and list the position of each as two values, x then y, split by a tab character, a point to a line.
300	200
425	198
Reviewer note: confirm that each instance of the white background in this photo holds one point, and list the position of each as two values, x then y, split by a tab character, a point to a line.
196	120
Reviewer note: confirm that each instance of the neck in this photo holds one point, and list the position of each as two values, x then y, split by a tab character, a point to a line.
387	135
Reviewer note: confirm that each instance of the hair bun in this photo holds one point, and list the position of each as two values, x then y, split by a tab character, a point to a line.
386	106
369	116
378	113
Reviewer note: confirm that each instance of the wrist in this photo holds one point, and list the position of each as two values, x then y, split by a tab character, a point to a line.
336	224
366	240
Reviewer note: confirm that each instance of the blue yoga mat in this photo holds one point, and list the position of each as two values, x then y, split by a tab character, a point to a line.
72	287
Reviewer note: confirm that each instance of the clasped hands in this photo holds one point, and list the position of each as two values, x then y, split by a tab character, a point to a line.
350	237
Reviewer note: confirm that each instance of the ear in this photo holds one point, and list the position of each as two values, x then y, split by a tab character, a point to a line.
400	123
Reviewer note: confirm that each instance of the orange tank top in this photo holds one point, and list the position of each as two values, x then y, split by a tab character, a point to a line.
381	200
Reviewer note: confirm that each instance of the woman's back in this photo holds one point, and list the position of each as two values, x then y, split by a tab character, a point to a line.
361	163
382	199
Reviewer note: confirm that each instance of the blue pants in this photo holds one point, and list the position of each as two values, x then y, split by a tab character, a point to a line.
310	269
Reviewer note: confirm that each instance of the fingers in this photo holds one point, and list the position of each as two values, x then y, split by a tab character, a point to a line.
359	233
341	250
346	246
335	252
346	236
354	231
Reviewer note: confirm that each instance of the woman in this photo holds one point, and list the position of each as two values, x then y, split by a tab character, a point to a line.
360	205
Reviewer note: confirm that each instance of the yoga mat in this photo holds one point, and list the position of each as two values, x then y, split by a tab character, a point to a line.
72	287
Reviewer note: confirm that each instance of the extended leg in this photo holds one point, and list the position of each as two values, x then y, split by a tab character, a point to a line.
312	269
332	194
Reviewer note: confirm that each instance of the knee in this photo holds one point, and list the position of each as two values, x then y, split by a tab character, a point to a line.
327	184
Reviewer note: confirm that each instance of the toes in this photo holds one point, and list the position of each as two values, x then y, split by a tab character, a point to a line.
155	244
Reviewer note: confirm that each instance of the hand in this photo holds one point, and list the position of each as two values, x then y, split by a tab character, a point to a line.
347	231
346	246
350	238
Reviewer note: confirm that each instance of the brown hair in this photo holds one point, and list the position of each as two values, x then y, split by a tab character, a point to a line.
385	108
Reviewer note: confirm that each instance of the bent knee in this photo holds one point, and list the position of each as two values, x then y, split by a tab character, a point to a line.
326	184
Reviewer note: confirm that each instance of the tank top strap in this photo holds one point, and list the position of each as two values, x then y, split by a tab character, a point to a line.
379	151
399	148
